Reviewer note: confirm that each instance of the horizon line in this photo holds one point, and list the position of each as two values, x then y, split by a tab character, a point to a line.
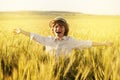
59	11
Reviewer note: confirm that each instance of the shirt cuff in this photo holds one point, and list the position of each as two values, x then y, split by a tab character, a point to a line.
31	36
89	43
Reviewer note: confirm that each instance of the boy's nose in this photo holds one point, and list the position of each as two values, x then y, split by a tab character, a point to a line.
58	27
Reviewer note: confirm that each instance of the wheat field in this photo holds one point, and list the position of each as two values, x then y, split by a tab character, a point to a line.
23	59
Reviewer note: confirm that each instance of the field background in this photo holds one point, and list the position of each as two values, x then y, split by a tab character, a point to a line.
22	59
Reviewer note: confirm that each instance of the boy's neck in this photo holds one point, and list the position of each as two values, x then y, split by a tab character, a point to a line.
59	38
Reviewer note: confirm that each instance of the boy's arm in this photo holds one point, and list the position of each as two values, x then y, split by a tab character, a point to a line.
18	31
102	43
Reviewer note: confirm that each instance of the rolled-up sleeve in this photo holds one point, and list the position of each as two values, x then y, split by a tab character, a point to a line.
84	44
81	44
40	39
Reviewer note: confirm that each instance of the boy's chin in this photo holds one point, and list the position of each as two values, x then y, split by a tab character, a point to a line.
58	35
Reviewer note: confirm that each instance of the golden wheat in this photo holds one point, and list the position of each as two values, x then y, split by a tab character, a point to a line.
22	59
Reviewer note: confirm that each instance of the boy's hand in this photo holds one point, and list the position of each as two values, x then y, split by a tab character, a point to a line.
108	43
17	31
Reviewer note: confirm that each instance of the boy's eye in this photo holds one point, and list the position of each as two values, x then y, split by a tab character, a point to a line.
58	26
61	26
55	26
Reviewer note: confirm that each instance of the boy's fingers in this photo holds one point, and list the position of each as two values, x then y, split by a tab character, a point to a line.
109	43
17	31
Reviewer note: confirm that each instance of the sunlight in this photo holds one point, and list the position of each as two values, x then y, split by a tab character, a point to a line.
84	6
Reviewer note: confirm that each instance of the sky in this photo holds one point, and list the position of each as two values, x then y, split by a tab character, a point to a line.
100	7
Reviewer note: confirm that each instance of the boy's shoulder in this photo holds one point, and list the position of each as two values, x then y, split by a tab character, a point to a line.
50	37
68	38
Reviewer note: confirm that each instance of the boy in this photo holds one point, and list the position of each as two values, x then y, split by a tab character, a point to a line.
60	42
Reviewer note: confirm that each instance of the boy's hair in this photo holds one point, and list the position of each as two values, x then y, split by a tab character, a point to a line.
61	21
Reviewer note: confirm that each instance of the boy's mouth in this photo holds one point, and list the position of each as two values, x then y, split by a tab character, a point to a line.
58	32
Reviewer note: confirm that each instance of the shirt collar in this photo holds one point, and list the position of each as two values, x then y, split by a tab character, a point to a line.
63	38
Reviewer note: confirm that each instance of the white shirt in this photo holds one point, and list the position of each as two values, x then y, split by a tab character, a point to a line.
64	46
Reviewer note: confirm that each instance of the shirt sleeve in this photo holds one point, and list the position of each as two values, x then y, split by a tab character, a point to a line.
84	44
81	44
40	39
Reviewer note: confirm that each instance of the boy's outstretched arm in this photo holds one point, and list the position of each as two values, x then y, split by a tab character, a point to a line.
18	31
102	44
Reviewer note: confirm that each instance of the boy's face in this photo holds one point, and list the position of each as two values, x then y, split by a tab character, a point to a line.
59	30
